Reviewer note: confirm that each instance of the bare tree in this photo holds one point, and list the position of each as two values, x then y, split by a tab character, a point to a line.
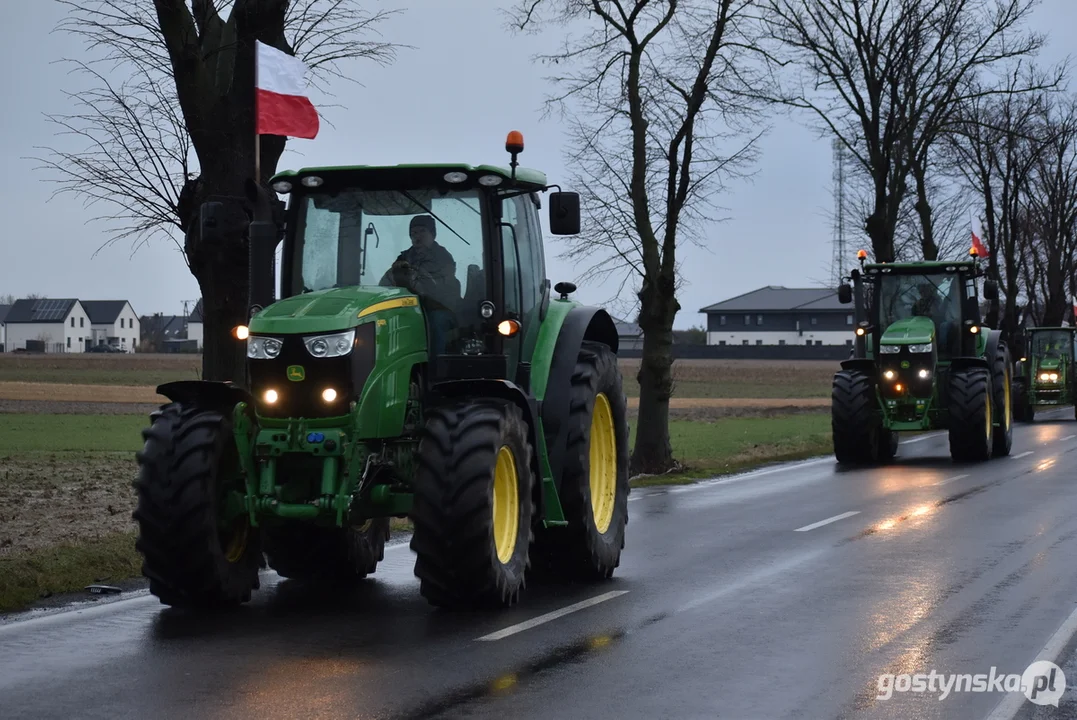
1052	205
993	147
886	77
174	76
649	92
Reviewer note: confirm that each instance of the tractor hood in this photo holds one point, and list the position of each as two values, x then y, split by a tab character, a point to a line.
1049	363
327	310
909	331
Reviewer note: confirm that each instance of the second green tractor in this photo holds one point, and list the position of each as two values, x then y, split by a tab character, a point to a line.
922	360
1045	377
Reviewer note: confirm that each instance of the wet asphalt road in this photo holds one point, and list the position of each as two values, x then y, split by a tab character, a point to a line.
735	602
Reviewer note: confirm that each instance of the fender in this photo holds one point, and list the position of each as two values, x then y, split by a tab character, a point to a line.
994	339
221	396
960	363
504	390
581	323
864	365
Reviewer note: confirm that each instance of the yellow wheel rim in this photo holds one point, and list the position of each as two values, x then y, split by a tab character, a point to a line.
237	545
603	464
1007	410
990	419
506	504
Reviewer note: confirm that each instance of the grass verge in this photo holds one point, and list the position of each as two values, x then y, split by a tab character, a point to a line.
707	449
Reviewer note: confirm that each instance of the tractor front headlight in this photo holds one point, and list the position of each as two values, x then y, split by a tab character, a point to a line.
889	349
263	348
328	346
925	348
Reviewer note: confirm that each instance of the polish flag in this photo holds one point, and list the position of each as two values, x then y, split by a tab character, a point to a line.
981	249
281	104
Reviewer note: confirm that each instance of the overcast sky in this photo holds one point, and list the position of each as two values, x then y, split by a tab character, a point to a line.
452	99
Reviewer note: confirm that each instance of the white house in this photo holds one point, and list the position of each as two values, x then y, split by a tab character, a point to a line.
113	322
62	325
776	315
195	326
3	325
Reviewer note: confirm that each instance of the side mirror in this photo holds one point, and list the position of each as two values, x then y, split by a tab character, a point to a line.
990	290
565	213
845	294
211	222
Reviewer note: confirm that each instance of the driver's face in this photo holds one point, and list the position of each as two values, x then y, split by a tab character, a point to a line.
421	236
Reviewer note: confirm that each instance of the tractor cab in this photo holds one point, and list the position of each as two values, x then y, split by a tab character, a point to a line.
460	245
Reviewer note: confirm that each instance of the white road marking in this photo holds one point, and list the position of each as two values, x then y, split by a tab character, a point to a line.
827	521
1013	702
921	438
1068	437
1018	456
950	480
542	619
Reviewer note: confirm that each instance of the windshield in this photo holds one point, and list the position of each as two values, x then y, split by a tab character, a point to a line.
1052	344
356	237
904	296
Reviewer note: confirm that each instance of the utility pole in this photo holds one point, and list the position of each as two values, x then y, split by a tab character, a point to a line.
838	177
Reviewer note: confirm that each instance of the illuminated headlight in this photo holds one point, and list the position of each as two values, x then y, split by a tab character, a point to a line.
923	374
889	349
925	348
888	374
328	346
263	348
1049	377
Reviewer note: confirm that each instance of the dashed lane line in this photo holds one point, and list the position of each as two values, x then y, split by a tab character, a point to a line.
829	520
543	619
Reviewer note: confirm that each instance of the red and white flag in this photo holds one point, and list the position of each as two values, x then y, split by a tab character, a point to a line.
981	249
282	106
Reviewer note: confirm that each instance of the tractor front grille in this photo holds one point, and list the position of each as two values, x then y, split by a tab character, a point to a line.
302	398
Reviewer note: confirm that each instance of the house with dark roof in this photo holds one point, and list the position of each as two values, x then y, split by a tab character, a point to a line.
113	322
776	315
3	326
163	333
629	335
195	327
48	325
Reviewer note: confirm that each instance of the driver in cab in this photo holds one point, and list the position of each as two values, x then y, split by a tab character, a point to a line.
429	271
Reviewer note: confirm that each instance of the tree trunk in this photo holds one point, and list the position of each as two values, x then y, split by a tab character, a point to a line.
923	210
652	453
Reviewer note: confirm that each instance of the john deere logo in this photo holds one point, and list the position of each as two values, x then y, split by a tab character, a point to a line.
296	373
905	364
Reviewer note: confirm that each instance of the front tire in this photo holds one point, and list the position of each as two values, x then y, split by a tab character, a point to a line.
971	428
187	466
854	419
1002	437
473	505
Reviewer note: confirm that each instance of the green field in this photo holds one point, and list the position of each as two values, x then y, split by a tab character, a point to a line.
66	495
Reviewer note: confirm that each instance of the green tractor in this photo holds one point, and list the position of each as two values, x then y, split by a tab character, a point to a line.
1046	375
921	360
397	376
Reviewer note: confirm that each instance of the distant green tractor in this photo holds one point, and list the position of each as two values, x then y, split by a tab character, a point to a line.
922	360
1046	376
397	376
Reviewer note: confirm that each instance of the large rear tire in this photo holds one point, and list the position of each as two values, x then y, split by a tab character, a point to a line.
594	480
971	431
186	467
473	505
326	555
854	419
1002	437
